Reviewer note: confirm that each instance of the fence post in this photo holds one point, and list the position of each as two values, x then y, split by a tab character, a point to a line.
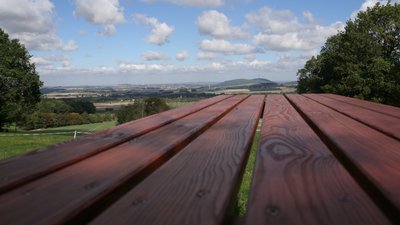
74	135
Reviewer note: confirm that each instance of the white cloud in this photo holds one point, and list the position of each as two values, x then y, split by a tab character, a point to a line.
225	47
153	56
276	22
160	31
196	3
369	4
218	25
107	13
210	56
50	60
182	55
32	23
283	31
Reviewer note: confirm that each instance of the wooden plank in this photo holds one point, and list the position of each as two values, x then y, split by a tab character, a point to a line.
19	170
65	194
371	156
297	180
386	124
199	184
385	109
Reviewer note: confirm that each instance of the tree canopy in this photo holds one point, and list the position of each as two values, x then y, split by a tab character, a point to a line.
362	61
141	108
19	81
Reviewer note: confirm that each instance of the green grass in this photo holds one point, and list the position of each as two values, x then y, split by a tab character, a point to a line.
92	127
243	194
176	104
21	142
15	145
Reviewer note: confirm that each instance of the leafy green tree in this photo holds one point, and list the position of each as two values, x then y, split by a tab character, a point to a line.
154	105
362	61
141	108
19	81
82	106
131	112
53	106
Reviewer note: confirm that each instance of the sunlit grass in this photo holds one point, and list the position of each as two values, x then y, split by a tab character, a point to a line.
12	144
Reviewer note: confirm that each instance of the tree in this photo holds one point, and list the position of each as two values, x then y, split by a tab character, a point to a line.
141	108
19	81
362	61
82	106
154	105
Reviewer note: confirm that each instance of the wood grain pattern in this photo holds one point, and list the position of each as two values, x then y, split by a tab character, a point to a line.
386	124
18	170
297	180
375	155
384	109
198	185
58	197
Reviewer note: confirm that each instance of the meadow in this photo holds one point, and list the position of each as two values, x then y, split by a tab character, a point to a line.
20	142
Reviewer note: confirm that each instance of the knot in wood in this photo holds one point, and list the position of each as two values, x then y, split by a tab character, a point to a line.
202	193
272	211
139	201
345	198
91	185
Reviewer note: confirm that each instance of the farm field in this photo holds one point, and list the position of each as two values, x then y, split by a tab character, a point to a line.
12	144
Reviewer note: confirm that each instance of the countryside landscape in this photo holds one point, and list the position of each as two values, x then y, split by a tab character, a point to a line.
190	85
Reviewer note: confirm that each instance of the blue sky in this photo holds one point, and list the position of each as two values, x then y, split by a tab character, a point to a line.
105	42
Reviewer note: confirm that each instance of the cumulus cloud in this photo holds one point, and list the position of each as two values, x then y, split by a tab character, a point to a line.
106	13
218	25
370	3
210	56
32	23
182	55
283	31
50	60
153	56
226	47
160	31
196	3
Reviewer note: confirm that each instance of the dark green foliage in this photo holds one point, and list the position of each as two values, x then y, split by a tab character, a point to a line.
19	81
141	108
362	61
154	105
53	106
82	106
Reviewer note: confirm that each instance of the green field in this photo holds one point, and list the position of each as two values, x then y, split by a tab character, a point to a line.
12	144
243	194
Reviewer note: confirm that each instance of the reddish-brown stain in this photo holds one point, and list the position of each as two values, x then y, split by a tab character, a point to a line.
323	159
63	194
18	170
297	180
374	154
387	124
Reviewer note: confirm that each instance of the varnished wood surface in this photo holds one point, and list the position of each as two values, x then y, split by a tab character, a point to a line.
198	185
297	180
387	124
18	170
375	156
323	159
60	196
381	108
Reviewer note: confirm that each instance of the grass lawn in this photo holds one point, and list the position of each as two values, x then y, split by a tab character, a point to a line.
177	103
12	144
243	194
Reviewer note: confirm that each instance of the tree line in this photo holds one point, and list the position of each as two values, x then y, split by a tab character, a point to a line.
56	113
141	108
363	61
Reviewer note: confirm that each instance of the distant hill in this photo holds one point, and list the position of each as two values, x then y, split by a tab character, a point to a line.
243	83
